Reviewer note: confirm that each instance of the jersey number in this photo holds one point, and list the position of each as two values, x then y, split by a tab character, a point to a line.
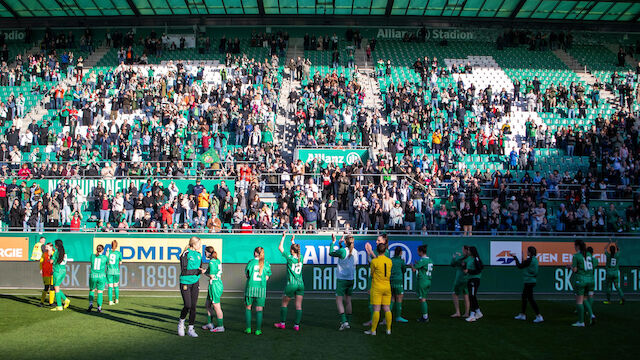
97	264
112	259
429	269
297	268
256	273
613	261
588	265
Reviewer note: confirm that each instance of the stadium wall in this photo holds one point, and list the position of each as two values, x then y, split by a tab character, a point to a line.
150	260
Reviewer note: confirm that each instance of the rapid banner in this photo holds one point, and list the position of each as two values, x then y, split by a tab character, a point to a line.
549	253
340	157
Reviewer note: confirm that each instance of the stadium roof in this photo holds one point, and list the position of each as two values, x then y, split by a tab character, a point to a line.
610	11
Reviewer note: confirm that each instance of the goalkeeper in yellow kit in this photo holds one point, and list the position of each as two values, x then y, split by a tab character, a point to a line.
380	289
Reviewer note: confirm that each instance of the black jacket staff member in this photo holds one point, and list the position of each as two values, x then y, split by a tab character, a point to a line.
190	271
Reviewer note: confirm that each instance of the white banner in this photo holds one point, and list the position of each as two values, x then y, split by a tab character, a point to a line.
501	252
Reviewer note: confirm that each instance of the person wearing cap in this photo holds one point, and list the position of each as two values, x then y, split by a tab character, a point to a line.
397	216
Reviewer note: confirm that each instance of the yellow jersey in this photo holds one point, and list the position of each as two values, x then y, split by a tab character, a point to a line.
381	272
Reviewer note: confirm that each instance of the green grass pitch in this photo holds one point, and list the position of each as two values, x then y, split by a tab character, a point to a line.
143	326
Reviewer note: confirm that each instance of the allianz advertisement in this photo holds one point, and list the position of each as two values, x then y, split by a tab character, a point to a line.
436	34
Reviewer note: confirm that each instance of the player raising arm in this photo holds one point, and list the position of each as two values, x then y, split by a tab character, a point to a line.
113	273
98	277
380	289
59	261
381	239
612	251
214	271
190	270
295	284
398	269
580	265
530	273
424	267
460	283
345	278
257	272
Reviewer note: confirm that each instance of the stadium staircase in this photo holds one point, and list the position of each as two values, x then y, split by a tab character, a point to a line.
93	59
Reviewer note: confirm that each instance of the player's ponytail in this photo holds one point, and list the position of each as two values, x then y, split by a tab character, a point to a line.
581	246
349	242
259	252
397	251
99	249
532	251
212	252
295	249
60	249
114	245
612	250
590	250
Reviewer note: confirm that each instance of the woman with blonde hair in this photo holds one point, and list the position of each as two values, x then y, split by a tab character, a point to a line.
257	272
190	270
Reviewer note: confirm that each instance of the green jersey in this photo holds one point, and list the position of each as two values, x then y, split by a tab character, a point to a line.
530	269
62	266
190	262
113	265
458	263
580	262
215	270
294	269
398	268
424	267
591	262
257	280
98	266
470	265
612	262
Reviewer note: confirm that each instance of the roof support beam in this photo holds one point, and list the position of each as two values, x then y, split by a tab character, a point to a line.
623	12
133	7
261	7
517	9
606	11
9	9
387	12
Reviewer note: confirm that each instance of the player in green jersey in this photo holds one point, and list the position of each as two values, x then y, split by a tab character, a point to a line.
59	261
214	272
473	269
381	239
611	252
113	273
460	283
424	268
591	282
398	269
530	273
345	274
97	277
295	285
581	265
190	271
255	293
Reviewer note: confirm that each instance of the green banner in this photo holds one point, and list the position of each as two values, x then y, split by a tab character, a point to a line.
340	157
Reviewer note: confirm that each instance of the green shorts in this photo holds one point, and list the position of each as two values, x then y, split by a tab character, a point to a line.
58	277
215	292
423	289
397	289
97	283
460	288
579	286
294	289
344	287
613	276
255	301
113	279
589	287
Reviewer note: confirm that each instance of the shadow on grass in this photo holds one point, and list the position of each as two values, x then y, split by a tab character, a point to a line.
106	314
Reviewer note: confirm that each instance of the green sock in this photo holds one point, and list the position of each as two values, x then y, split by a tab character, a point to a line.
587	306
258	320
343	318
220	322
370	312
100	298
349	316
247	316
620	293
208	319
580	310
398	310
117	290
58	299
63	296
392	306
298	316
91	296
283	313
110	293
424	308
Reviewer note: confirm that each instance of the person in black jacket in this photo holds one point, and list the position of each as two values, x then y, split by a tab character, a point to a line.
16	216
331	214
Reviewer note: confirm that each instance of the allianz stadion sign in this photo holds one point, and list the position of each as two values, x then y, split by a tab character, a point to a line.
339	157
433	34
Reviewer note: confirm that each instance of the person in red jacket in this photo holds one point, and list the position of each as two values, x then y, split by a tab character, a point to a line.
76	220
167	214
